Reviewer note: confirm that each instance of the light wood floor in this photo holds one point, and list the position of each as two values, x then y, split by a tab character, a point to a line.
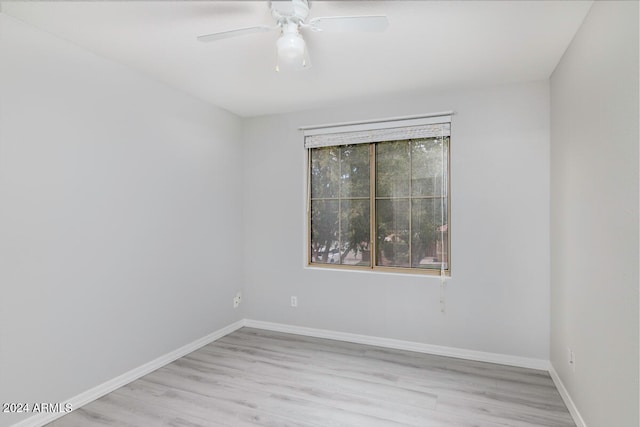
259	378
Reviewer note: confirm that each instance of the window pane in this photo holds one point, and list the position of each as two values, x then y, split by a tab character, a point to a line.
393	232
411	224
354	171
428	164
427	235
324	231
325	172
393	167
354	239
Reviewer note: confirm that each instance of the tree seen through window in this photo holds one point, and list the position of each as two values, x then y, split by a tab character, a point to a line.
409	207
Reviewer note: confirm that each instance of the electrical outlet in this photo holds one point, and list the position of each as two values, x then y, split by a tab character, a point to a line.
237	300
294	301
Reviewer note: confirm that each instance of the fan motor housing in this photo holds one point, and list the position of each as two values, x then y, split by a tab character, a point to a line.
290	10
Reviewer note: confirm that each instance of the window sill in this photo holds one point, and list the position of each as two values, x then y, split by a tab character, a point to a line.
378	271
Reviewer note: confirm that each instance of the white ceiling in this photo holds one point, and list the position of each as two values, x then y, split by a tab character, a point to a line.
429	45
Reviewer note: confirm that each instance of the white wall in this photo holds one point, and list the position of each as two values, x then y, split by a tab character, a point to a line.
120	218
498	298
594	216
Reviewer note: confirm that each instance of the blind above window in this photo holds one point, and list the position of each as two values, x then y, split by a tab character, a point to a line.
378	131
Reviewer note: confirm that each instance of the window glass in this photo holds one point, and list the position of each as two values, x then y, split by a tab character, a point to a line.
410	211
340	205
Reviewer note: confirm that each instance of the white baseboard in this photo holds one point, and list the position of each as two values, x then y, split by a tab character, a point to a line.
96	392
573	410
481	356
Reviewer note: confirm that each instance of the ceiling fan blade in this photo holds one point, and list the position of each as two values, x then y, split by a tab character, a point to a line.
235	33
369	23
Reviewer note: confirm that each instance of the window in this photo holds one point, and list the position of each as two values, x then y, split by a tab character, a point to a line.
379	195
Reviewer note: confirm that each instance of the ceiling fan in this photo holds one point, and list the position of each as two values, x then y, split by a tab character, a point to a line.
290	18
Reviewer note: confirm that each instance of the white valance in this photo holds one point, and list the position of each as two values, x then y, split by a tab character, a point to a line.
379	130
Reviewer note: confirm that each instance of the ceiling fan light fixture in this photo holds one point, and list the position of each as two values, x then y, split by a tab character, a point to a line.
291	52
291	17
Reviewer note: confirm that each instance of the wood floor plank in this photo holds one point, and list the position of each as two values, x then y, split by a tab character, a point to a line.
254	377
